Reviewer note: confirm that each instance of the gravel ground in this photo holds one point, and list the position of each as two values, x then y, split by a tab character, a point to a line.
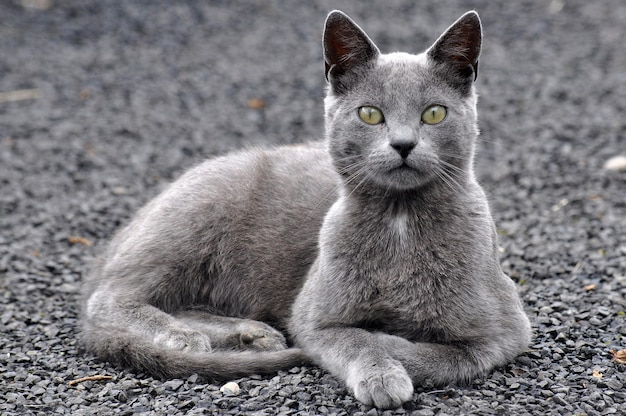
118	98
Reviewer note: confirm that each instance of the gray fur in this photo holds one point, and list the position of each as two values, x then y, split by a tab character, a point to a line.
380	265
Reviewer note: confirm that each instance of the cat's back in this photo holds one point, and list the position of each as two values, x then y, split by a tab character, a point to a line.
252	217
257	181
242	183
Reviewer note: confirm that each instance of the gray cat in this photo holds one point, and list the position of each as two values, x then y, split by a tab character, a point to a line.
373	254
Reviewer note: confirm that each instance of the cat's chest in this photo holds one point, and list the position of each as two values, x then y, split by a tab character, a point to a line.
423	311
409	272
405	244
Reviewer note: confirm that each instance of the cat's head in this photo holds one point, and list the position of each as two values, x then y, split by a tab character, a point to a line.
397	122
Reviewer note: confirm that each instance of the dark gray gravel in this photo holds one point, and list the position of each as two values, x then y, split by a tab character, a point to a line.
128	94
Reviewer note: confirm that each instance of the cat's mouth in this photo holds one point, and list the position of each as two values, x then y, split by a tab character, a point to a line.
405	175
404	167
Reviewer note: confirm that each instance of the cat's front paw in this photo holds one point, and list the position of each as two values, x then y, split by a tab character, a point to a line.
186	340
383	386
257	336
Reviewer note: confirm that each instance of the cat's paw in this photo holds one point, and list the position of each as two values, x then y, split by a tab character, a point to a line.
383	386
186	340
257	336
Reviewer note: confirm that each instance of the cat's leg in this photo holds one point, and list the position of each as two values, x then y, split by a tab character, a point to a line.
355	356
465	359
443	364
228	333
189	331
107	310
380	368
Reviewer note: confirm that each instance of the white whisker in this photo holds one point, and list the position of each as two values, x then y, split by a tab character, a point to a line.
451	175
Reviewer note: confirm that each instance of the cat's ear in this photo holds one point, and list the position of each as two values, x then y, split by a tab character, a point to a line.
459	47
346	46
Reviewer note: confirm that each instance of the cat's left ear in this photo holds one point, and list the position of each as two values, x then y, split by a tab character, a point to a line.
346	45
459	46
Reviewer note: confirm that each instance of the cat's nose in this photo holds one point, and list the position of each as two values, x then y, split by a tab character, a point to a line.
403	146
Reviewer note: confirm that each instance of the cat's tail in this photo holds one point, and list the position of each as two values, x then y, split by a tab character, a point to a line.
124	349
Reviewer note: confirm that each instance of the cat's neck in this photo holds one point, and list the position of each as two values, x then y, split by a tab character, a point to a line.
435	194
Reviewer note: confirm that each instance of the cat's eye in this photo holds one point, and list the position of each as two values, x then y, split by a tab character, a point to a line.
371	115
434	114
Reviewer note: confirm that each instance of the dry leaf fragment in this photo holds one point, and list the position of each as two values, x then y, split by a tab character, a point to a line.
37	4
84	94
597	374
619	356
19	95
590	287
97	377
80	240
256	103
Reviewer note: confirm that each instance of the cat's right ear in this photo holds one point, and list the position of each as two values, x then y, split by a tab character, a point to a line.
346	46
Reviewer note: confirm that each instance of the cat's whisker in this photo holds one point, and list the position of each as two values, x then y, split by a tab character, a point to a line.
356	168
355	176
359	165
387	191
443	177
453	169
455	156
363	180
449	179
451	175
452	166
484	140
345	158
361	172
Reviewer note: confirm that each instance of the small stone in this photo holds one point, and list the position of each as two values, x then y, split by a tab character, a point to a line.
173	384
303	396
423	412
614	384
488	393
275	381
231	388
595	321
559	400
616	163
290	403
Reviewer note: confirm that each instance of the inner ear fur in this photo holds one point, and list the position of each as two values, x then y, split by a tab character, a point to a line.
459	46
346	45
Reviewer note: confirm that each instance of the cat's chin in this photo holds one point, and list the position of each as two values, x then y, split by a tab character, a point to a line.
404	178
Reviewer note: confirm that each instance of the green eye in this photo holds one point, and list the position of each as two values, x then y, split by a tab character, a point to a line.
371	115
434	114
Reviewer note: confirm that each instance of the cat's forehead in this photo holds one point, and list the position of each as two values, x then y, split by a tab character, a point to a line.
403	77
402	58
399	67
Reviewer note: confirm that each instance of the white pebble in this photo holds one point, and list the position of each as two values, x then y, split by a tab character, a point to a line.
230	388
617	163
